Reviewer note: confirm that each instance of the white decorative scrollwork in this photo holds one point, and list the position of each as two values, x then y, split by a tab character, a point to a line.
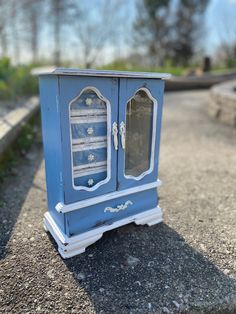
118	208
122	134
114	133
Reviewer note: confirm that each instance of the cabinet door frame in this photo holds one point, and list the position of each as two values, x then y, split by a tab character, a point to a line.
108	121
70	89
154	90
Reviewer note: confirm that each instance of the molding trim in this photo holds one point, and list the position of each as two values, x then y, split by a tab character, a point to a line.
154	130
89	140
71	246
79	147
108	144
65	208
86	119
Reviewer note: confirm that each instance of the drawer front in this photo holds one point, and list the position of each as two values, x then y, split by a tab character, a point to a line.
90	177
88	130
89	157
106	213
88	101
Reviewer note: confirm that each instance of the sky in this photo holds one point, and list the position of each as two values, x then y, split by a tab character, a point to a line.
220	24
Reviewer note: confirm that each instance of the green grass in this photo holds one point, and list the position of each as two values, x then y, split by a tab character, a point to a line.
23	143
121	65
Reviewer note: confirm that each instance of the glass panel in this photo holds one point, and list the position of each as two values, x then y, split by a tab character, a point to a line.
88	122
139	120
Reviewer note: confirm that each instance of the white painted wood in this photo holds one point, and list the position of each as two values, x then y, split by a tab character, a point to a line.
89	140
122	133
88	119
65	208
88	146
90	165
115	135
108	120
71	246
87	112
89	171
154	127
107	73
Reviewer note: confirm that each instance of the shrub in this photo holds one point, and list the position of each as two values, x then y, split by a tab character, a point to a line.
16	81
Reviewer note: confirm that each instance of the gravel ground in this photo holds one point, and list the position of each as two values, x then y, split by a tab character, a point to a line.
185	265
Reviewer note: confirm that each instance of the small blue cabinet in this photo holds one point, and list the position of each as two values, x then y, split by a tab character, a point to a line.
101	134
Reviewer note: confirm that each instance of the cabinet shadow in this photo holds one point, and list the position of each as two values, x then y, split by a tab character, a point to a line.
140	269
14	190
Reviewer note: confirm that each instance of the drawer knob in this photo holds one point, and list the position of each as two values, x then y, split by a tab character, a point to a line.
90	182
90	157
88	101
89	131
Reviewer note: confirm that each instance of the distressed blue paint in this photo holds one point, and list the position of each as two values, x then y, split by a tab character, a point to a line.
51	129
82	157
81	130
94	216
97	103
128	88
70	88
56	92
97	177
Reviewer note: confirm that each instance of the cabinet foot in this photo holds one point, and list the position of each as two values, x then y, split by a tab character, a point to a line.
71	246
150	218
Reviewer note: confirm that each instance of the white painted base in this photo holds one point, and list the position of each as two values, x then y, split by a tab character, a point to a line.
71	246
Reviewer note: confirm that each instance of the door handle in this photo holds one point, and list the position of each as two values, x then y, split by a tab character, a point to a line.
115	135
122	134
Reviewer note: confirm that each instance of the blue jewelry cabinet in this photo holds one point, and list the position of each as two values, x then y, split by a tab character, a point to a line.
101	134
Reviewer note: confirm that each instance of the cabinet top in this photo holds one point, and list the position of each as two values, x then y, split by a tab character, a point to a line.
107	73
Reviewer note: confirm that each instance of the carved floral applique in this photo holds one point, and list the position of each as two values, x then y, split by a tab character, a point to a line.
90	131
90	157
88	101
90	182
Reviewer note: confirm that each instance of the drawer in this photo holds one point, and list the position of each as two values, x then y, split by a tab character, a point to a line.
83	130
108	212
90	179
88	100
89	156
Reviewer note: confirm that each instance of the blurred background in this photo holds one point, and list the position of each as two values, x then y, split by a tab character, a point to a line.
183	37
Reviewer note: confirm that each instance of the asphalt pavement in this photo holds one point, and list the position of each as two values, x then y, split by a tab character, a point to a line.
187	264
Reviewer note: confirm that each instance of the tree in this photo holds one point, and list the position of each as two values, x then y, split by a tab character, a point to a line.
169	29
62	13
152	28
4	16
32	17
187	29
97	27
15	26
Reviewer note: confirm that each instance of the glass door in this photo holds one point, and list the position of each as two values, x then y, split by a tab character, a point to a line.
90	148
89	109
139	128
